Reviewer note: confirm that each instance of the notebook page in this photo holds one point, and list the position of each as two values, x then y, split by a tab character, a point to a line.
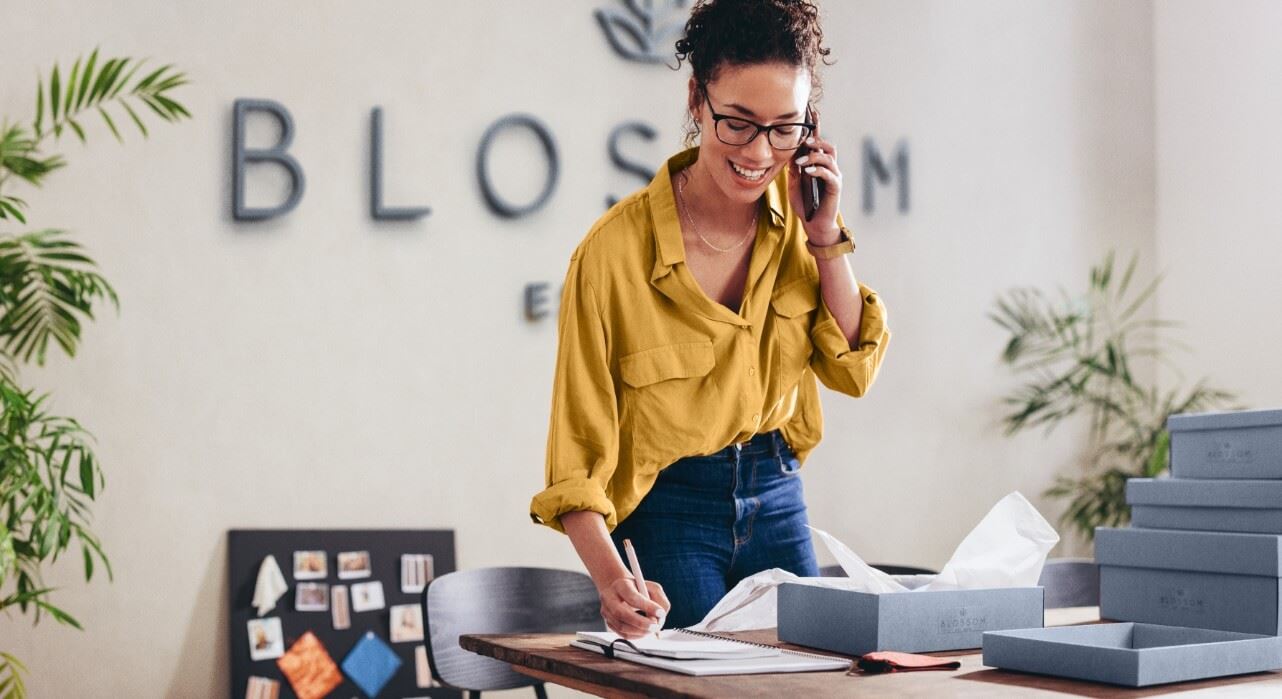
675	644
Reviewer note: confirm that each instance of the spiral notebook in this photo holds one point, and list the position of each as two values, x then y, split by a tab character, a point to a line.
697	653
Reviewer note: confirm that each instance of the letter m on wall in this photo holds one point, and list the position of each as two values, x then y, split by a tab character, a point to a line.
877	172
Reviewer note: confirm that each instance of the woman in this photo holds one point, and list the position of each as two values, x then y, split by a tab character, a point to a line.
695	318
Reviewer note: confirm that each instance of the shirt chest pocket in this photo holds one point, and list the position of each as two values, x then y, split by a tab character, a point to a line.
665	390
793	305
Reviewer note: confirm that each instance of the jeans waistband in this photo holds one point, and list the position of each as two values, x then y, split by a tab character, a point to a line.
771	443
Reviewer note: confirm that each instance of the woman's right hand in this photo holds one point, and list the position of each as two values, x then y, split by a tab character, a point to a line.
620	603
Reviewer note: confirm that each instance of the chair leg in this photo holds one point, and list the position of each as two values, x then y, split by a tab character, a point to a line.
540	692
473	694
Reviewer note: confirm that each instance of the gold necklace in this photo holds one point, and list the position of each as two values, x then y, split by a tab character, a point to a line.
685	209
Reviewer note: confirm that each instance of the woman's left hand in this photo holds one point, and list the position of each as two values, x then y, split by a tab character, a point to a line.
822	163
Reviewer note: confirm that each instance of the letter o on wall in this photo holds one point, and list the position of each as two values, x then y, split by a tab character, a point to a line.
497	203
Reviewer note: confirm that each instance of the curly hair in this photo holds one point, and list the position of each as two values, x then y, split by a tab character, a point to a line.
741	32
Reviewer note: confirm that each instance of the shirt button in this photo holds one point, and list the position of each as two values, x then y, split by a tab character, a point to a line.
756	417
752	371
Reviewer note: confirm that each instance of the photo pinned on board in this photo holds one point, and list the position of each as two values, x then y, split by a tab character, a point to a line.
367	596
311	597
406	621
339	609
262	688
423	669
265	639
311	565
416	571
353	564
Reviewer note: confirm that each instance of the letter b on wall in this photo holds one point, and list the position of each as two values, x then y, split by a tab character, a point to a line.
276	154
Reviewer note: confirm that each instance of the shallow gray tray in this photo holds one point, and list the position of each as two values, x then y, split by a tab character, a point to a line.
1134	655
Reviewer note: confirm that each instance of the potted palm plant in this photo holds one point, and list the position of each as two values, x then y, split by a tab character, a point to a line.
49	287
1076	355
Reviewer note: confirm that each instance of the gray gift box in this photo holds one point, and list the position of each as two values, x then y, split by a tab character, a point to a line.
1241	444
1210	580
854	623
1208	505
1135	655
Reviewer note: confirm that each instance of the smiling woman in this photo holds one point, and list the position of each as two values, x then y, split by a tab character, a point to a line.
696	316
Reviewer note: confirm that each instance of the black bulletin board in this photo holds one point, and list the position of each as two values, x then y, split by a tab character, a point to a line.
246	549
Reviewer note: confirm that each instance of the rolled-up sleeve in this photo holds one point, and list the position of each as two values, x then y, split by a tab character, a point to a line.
850	370
583	431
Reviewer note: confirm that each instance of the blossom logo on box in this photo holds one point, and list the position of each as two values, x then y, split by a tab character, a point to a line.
644	31
962	620
1230	452
1180	599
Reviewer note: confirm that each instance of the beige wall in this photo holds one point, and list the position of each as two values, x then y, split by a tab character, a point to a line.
1219	188
326	371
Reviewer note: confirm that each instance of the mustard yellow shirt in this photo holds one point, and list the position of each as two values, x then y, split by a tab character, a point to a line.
649	369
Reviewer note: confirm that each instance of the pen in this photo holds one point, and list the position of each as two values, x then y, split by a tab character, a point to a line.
636	572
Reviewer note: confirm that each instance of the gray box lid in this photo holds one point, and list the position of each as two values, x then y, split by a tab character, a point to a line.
1211	552
1226	420
1198	492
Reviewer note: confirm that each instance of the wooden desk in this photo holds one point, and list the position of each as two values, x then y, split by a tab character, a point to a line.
550	658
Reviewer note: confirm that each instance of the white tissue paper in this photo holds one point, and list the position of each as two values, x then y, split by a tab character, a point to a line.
1006	549
269	587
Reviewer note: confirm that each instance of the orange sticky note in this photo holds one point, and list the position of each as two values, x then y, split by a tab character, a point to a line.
309	669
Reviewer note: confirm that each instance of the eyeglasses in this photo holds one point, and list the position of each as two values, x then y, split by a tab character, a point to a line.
734	131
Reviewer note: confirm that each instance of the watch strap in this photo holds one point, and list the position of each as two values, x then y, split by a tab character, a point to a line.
844	246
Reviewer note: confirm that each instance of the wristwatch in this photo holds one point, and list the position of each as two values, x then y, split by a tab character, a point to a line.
844	246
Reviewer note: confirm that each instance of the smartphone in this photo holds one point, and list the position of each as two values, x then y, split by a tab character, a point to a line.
812	188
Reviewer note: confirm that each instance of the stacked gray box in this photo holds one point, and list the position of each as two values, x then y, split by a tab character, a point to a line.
1252	506
1203	548
1208	580
1246	444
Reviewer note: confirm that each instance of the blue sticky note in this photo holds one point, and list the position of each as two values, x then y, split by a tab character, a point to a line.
371	663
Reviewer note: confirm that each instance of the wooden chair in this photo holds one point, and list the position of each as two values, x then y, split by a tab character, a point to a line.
501	600
1070	582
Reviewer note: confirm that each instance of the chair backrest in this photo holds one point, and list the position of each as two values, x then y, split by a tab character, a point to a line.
501	600
1070	582
836	571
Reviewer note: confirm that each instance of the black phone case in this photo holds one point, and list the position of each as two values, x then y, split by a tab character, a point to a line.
812	188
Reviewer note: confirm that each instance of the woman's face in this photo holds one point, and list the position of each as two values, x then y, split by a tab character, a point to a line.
766	93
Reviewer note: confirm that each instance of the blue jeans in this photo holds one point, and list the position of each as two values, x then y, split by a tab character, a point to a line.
711	521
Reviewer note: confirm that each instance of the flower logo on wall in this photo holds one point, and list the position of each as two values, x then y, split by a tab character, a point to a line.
644	30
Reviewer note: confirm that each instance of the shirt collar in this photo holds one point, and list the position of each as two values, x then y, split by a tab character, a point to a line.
670	249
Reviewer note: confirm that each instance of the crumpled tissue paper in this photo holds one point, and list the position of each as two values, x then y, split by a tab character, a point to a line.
1006	549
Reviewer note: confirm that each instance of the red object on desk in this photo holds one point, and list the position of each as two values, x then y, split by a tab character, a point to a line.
892	661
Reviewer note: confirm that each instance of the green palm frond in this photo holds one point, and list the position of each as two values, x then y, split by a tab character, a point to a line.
97	86
17	156
47	286
91	88
11	671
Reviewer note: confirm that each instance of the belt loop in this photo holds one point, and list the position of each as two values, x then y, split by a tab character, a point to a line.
776	438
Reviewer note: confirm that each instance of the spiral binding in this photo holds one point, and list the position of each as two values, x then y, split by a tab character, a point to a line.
704	634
